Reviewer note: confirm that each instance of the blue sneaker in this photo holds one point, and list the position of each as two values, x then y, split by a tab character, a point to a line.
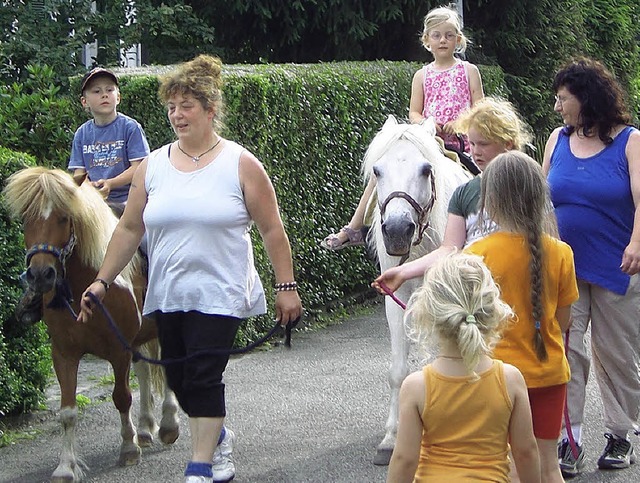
618	454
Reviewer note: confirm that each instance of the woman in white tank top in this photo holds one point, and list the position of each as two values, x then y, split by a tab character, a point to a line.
197	199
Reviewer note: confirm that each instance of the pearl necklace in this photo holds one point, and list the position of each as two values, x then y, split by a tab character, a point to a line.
195	159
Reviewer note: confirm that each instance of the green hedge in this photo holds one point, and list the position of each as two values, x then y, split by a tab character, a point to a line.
25	359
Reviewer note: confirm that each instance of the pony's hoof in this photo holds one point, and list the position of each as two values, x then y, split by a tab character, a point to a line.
145	440
169	436
382	457
66	474
62	479
130	458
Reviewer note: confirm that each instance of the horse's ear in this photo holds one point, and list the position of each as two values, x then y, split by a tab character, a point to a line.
391	120
429	125
79	178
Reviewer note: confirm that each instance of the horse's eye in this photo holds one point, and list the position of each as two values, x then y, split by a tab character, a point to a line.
376	171
63	220
426	169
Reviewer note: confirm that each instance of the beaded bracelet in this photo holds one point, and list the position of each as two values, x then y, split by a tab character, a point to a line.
285	287
104	283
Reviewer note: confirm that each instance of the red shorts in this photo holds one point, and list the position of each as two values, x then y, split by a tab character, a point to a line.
547	406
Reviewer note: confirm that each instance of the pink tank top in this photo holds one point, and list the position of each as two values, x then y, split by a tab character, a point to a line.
446	95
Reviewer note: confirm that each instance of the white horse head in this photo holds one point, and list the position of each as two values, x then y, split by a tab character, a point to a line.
414	183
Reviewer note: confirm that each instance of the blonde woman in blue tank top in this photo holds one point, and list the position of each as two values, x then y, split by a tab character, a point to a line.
197	199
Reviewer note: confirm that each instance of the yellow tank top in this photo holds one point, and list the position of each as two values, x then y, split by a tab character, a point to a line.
466	428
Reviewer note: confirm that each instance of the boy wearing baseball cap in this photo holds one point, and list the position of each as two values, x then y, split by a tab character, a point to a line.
109	147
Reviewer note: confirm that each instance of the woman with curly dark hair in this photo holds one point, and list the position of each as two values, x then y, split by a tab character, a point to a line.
593	166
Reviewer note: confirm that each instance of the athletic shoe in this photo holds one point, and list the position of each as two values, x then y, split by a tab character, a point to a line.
569	465
223	468
198	479
618	454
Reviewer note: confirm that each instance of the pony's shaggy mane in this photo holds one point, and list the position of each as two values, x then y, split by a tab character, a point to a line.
33	194
393	132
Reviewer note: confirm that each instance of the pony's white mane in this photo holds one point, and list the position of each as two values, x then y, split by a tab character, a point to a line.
422	136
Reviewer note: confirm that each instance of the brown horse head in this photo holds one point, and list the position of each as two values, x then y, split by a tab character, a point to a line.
60	217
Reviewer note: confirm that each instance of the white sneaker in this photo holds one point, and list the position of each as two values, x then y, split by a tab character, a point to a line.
198	479
223	468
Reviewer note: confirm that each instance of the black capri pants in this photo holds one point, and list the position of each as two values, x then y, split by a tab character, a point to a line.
197	382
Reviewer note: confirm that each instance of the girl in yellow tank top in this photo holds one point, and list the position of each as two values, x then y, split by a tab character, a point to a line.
461	414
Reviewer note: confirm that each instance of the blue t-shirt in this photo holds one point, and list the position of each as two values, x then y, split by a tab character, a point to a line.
104	151
595	209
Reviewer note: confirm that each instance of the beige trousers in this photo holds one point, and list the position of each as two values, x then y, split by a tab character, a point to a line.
615	349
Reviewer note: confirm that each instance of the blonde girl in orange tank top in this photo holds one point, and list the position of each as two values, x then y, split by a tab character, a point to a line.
460	413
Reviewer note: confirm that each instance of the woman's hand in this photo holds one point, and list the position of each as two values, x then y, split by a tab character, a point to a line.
288	306
393	278
631	258
86	304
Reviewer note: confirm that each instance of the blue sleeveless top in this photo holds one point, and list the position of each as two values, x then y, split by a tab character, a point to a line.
595	209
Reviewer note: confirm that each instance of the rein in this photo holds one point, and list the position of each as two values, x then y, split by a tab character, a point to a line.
138	356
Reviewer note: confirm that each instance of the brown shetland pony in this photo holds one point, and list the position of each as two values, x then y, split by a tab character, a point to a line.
66	230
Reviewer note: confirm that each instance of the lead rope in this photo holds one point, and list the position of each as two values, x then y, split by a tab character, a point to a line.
567	422
137	356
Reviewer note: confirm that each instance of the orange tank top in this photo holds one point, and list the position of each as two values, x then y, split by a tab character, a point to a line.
466	428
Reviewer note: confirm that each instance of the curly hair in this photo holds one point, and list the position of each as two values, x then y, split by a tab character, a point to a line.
201	78
459	301
497	121
438	16
602	99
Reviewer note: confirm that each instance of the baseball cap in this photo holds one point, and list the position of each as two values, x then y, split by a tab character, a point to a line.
95	73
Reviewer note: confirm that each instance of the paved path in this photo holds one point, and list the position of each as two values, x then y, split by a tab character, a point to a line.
311	414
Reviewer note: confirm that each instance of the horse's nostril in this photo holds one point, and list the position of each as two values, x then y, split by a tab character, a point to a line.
49	274
384	229
29	276
409	230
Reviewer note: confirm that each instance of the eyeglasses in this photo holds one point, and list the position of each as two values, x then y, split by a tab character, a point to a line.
449	36
561	100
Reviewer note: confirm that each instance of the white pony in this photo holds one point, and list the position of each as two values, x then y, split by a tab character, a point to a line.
414	183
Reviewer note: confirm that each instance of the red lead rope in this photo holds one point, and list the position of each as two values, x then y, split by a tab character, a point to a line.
388	291
567	423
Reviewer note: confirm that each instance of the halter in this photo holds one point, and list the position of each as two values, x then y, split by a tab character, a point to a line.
423	213
60	254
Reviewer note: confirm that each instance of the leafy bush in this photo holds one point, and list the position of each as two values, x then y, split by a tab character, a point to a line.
25	360
36	119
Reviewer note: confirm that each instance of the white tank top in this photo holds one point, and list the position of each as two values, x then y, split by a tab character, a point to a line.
199	248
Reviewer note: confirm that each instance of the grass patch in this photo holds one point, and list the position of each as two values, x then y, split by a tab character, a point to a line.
82	401
10	437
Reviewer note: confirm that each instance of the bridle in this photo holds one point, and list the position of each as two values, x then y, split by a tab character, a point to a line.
62	254
62	291
423	212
